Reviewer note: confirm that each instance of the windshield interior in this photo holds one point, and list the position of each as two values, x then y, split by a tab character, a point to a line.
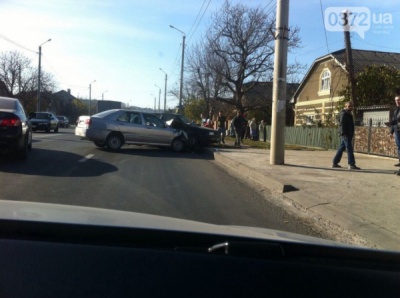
299	114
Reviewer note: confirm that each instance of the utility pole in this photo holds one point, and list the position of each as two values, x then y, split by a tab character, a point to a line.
180	107
165	90
277	152
39	75
349	62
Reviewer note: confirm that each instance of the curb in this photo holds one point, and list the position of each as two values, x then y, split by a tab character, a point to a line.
323	219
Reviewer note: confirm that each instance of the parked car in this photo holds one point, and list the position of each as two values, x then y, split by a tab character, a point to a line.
15	128
197	135
113	128
63	121
82	124
46	121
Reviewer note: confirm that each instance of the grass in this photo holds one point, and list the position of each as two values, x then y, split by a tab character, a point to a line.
267	145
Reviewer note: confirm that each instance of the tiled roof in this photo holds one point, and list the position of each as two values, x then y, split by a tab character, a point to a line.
362	58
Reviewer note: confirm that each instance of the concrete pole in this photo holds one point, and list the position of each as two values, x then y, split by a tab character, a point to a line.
277	152
165	89
165	93
38	95
180	108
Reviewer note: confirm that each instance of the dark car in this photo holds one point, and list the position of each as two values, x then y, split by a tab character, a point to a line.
63	121
44	121
15	128
197	135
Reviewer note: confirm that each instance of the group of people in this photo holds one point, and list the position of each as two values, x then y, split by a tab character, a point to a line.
243	128
346	130
240	126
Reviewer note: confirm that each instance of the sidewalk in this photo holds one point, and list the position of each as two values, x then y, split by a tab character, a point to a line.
360	207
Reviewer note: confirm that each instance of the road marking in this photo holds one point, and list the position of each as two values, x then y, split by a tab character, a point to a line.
86	158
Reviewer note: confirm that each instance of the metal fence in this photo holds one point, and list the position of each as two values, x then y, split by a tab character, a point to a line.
368	139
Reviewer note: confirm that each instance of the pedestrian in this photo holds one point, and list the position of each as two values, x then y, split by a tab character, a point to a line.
395	127
346	130
253	129
247	130
238	122
262	131
221	126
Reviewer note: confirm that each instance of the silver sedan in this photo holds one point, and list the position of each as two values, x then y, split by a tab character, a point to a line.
113	128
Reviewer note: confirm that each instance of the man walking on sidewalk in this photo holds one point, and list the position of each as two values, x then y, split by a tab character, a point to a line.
346	130
395	125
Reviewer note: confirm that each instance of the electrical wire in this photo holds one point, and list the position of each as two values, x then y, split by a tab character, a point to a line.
16	44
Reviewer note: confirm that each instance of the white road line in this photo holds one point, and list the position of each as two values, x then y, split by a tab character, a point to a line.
86	158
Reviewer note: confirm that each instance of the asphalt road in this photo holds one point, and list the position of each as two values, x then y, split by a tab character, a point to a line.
63	169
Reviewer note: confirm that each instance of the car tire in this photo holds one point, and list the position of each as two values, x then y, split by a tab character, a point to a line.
193	141
99	144
22	153
177	145
30	140
56	129
114	142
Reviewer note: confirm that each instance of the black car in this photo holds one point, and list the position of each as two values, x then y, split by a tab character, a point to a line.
44	121
197	135
63	121
15	128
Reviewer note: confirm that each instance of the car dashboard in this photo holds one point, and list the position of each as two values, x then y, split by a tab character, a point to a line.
42	259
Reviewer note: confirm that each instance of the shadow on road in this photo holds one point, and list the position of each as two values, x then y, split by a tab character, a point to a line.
53	163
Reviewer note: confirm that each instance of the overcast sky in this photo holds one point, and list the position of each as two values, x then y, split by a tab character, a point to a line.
122	44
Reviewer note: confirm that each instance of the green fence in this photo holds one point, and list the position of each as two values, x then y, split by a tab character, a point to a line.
321	137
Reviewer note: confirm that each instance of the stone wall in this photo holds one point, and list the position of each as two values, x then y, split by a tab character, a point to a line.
375	140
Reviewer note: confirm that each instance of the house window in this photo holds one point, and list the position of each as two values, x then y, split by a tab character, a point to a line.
326	80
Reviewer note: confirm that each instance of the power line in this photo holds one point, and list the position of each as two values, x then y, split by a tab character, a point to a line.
198	23
323	21
15	43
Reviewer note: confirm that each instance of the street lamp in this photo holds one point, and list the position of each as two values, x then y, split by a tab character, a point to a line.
182	63
155	102
159	96
90	97
40	61
165	90
102	94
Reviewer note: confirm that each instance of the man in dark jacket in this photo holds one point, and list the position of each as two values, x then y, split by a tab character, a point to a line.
395	126
237	123
346	130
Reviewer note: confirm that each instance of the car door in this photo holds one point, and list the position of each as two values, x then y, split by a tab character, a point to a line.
156	132
131	126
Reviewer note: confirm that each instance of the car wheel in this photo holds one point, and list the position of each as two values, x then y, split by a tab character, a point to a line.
177	145
193	141
30	140
22	153
56	129
114	141
99	144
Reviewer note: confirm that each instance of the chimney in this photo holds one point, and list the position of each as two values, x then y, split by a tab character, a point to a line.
69	91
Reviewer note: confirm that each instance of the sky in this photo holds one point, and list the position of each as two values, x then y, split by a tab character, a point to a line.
124	48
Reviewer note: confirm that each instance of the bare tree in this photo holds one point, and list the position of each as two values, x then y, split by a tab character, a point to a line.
204	81
242	40
21	78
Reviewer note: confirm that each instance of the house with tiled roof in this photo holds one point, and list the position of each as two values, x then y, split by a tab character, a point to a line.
317	97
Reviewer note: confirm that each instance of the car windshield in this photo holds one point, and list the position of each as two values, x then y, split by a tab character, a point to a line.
294	117
40	115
